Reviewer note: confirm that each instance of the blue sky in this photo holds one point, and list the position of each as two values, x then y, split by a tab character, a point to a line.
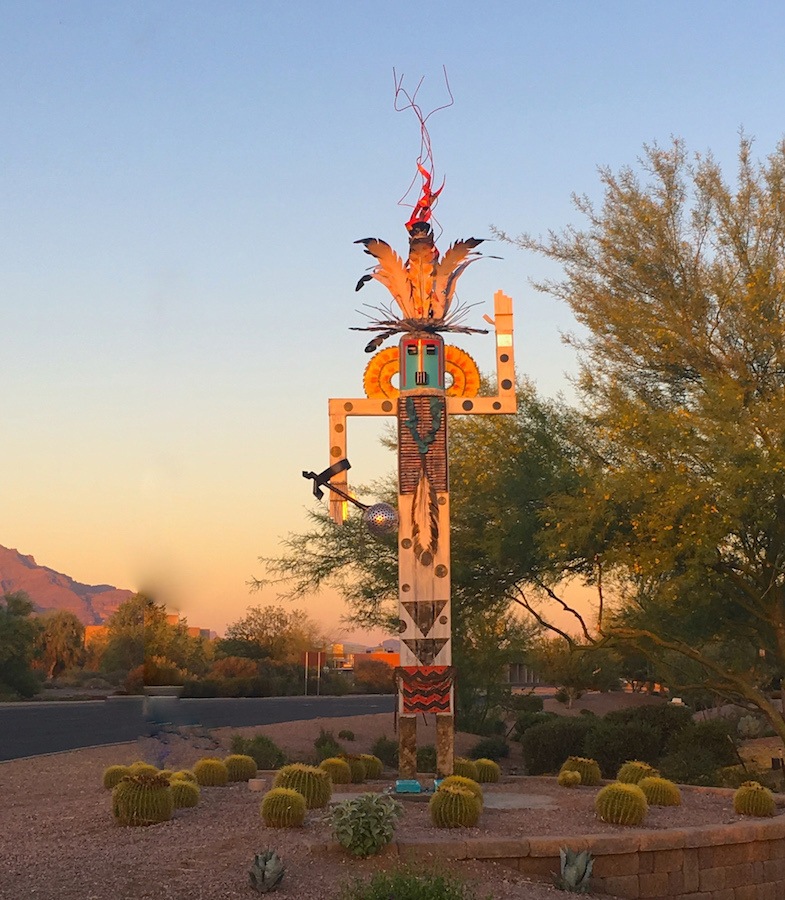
181	184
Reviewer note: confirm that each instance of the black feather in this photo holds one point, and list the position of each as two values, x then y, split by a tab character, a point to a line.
362	281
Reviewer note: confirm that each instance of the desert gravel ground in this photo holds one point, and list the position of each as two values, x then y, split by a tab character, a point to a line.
58	838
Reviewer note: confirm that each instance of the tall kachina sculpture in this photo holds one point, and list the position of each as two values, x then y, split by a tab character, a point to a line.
435	382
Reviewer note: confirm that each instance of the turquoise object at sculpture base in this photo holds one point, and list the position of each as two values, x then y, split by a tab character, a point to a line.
407	786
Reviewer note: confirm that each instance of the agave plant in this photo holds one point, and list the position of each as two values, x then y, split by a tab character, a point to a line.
575	870
266	871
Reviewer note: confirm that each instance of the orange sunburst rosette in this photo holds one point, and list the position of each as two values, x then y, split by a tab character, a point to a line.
383	366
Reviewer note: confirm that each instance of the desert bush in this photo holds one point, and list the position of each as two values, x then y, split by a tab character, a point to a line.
665	719
526	720
233	667
495	748
426	758
690	767
526	703
265	752
326	745
387	751
411	885
372	676
365	824
714	736
613	743
346	734
545	746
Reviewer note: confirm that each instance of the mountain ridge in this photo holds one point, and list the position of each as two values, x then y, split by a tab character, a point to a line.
51	591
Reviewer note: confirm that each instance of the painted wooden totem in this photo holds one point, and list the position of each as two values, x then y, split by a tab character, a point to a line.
435	381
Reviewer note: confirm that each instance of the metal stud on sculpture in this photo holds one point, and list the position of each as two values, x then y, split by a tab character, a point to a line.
434	382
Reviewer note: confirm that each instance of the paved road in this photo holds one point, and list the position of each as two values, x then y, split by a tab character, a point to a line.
29	729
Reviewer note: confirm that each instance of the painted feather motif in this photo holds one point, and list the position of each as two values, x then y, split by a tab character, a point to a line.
425	519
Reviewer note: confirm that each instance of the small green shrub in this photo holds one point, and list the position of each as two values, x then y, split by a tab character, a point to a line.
494	748
660	791
546	745
184	793
267	754
526	720
313	783
211	772
365	824
142	800
338	769
373	765
587	768
612	744
621	804
454	807
404	884
326	745
240	767
283	808
664	719
387	751
569	778
752	799
465	767
488	771
346	734
426	758
113	774
714	737
526	703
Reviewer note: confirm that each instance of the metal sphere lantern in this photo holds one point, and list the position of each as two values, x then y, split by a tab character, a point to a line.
380	519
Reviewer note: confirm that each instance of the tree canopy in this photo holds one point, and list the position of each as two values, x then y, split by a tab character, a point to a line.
679	283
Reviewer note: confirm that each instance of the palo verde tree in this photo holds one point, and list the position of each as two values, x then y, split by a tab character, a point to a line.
60	642
678	280
18	631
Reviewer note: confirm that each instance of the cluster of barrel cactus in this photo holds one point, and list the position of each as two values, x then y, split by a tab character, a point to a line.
621	804
357	768
634	771
310	781
588	768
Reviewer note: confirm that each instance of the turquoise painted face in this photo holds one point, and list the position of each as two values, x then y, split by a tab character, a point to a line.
422	363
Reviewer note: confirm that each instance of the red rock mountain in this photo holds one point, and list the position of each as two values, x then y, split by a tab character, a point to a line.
50	590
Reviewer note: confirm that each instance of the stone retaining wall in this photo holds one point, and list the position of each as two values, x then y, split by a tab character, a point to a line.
742	861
